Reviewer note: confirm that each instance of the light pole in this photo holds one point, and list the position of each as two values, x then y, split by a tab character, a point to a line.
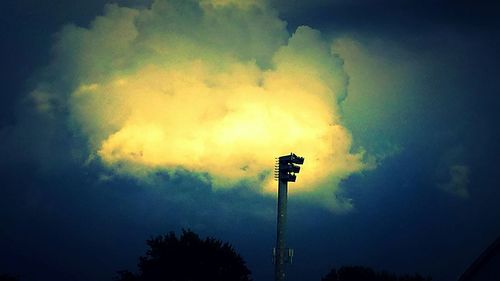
285	171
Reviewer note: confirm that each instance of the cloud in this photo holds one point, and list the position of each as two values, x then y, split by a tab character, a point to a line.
452	173
216	88
381	96
458	181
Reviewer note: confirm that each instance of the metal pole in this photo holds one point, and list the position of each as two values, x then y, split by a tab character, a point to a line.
281	225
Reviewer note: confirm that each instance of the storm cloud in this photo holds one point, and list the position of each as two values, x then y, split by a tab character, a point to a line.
216	88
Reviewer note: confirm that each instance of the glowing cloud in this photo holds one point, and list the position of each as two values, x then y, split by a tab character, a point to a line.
218	88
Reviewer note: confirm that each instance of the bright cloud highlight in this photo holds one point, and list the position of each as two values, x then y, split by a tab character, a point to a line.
216	88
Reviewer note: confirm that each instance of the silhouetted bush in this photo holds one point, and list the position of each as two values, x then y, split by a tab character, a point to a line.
361	273
188	258
5	277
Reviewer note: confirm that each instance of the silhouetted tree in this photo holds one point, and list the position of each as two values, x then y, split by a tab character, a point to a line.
361	273
5	277
188	258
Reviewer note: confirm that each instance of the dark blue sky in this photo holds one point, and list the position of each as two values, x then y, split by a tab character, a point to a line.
433	66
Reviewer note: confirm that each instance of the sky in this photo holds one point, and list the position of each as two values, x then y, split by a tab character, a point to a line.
121	120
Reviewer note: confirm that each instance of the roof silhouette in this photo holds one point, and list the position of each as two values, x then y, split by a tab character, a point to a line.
480	269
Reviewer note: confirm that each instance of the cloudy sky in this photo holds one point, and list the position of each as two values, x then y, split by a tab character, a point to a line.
120	120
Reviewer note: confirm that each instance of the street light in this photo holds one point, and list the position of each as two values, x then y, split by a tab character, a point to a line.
285	171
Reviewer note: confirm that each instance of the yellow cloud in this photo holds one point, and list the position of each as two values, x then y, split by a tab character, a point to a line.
211	93
237	3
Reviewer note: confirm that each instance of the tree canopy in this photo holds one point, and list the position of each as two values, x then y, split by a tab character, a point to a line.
357	273
6	277
188	258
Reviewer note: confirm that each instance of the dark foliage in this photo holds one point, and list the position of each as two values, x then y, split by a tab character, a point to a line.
188	258
5	277
360	273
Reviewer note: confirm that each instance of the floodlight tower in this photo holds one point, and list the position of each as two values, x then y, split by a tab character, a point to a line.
285	170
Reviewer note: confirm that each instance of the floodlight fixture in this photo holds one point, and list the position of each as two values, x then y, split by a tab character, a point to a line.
286	170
